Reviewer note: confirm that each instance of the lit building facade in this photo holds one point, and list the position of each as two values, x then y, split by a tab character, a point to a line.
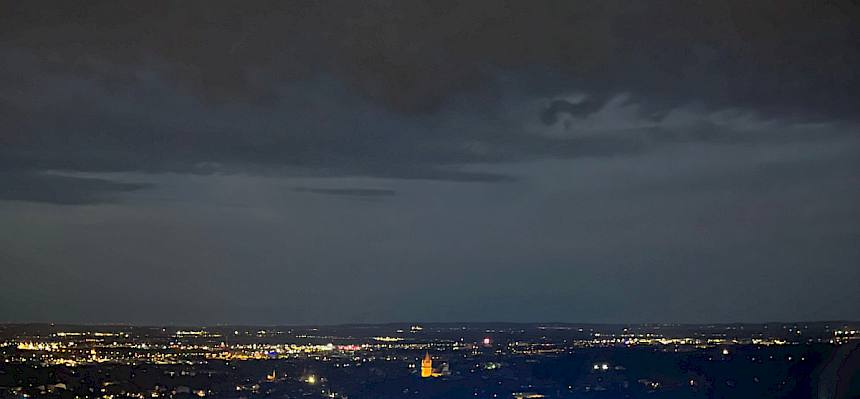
427	366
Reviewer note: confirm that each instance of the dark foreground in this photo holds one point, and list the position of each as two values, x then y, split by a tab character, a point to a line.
802	360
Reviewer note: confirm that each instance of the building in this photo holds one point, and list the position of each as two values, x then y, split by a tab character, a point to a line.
428	371
427	366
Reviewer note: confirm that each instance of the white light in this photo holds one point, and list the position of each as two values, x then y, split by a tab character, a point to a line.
604	367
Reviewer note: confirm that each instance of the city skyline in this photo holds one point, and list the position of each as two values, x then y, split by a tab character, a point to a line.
792	360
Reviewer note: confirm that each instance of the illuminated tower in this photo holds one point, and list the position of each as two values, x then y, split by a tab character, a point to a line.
427	366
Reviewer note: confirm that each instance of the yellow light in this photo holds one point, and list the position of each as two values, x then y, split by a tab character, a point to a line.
312	379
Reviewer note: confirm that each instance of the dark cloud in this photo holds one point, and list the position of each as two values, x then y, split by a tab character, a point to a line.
348	192
413	55
672	152
579	109
412	89
62	190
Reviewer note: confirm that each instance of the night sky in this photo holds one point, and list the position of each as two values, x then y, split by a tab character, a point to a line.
293	162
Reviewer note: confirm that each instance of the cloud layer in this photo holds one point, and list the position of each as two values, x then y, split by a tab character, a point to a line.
403	89
306	161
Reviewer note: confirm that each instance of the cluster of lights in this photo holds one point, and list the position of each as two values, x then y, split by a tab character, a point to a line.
38	346
388	339
601	367
195	333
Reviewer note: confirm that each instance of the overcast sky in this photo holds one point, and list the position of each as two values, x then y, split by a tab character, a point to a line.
291	162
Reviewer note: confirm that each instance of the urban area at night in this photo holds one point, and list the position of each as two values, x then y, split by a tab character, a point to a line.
480	360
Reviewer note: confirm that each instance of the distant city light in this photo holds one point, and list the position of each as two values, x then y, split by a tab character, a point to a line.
131	347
